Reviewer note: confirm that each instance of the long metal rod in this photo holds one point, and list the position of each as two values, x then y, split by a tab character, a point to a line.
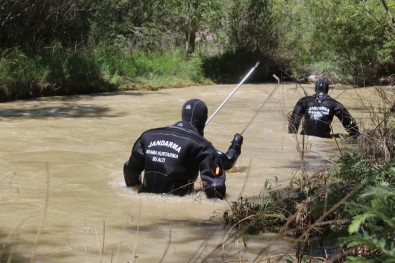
231	94
297	82
263	103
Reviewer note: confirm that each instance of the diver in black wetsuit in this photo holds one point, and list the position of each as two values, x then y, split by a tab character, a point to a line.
172	157
318	111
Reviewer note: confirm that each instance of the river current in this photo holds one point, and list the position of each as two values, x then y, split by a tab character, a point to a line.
63	197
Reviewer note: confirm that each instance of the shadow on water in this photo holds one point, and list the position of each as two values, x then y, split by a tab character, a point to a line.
131	93
7	250
70	110
75	111
215	232
126	93
195	227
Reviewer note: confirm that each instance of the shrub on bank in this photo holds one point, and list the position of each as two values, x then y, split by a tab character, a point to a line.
348	209
346	212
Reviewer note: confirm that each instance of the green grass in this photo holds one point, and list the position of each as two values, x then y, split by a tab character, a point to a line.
58	71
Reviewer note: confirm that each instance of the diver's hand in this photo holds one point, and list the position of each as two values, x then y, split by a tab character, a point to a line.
237	141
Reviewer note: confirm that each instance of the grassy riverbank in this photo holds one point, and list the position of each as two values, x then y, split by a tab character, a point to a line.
59	71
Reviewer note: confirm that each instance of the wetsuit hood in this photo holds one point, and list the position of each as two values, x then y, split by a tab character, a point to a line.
195	111
322	85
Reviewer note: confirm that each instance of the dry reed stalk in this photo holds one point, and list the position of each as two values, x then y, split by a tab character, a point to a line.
43	218
137	236
166	249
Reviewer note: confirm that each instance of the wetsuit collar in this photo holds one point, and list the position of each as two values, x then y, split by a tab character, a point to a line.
186	126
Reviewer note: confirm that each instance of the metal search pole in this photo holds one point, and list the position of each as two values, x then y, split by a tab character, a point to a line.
268	97
231	94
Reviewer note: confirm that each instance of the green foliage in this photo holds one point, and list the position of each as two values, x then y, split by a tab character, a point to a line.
251	26
31	24
373	223
293	33
16	71
68	66
155	25
58	71
55	71
233	65
353	41
170	68
351	168
353	37
194	17
350	41
131	21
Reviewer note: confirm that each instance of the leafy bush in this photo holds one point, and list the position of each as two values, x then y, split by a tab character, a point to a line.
348	208
373	224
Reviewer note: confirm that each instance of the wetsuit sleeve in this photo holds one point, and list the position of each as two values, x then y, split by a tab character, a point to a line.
229	158
213	175
296	116
348	122
135	165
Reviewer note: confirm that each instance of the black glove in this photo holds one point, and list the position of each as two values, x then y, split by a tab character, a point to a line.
353	131
237	142
215	192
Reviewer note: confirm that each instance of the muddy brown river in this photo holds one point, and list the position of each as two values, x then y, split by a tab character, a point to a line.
63	197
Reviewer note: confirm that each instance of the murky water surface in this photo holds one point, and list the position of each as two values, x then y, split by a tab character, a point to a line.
62	194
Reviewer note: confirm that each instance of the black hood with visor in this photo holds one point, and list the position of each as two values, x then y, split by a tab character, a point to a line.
322	85
195	112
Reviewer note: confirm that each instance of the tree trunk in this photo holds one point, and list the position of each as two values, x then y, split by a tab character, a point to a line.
190	42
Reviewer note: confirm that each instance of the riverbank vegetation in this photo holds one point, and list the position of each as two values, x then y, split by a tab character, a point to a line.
69	47
344	213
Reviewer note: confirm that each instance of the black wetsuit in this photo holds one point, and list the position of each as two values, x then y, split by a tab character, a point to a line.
318	111
172	158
